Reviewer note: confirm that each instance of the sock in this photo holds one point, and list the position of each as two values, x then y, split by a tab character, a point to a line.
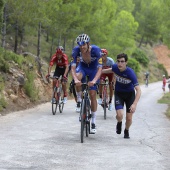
93	117
78	96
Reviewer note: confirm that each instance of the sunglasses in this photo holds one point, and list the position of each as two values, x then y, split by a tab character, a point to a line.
121	61
81	43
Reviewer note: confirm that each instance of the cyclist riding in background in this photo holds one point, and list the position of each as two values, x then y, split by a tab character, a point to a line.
62	66
107	63
147	78
91	65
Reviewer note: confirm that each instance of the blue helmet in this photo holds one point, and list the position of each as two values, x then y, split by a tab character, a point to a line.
82	39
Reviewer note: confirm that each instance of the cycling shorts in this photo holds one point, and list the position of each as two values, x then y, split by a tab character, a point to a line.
124	97
58	72
109	75
87	72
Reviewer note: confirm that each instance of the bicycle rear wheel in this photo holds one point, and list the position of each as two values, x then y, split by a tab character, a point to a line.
104	105
54	105
61	104
82	114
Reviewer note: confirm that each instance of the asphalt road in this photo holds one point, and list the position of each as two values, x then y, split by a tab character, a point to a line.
34	139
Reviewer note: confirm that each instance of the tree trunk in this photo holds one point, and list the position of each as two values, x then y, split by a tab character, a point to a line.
52	44
64	44
4	27
16	37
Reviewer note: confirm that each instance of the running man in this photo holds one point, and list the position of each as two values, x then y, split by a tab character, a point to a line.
127	90
90	64
107	63
163	83
62	66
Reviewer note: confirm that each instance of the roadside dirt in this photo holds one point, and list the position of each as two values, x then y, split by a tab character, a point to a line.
163	55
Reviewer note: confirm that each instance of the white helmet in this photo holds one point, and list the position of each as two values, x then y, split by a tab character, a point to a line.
82	39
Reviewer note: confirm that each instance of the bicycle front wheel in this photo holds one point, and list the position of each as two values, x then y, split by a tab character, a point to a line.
82	114
54	105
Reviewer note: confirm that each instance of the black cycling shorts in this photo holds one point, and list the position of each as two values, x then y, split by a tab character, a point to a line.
59	71
122	98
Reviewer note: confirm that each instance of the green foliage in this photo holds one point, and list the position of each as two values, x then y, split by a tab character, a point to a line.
141	57
29	86
3	103
134	65
163	69
4	66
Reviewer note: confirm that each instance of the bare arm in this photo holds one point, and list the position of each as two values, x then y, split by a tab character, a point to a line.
73	72
66	70
98	74
49	69
137	97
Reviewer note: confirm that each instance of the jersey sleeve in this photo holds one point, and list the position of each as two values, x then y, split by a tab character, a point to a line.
134	78
53	58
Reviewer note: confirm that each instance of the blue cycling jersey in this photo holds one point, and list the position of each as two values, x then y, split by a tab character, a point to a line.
125	80
96	60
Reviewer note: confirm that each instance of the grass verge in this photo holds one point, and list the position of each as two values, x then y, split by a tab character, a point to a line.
166	100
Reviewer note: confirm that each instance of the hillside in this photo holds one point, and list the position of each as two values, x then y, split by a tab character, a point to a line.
17	100
163	55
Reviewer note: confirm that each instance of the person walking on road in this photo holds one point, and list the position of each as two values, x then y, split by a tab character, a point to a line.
127	90
163	83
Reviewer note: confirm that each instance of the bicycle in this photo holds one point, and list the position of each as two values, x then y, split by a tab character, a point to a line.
85	112
105	99
146	82
58	96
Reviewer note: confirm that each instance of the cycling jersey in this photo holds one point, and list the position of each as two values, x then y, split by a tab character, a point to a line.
60	63
125	80
91	68
109	63
96	60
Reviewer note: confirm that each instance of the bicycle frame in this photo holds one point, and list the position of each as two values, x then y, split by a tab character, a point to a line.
85	112
57	94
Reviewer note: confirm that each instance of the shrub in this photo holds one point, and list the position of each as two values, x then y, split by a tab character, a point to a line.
29	86
134	65
141	57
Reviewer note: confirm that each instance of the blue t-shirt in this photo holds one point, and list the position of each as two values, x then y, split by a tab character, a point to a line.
96	60
126	80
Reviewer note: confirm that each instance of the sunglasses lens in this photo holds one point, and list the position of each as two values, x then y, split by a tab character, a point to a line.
81	43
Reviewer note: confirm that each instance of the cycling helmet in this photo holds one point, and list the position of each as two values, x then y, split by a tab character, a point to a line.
104	52
82	39
59	50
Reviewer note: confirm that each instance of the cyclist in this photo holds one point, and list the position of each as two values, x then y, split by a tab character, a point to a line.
107	63
62	66
91	65
127	90
146	78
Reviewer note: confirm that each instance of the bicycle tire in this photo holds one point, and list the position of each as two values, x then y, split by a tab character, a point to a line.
54	105
82	120
61	98
89	118
104	104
